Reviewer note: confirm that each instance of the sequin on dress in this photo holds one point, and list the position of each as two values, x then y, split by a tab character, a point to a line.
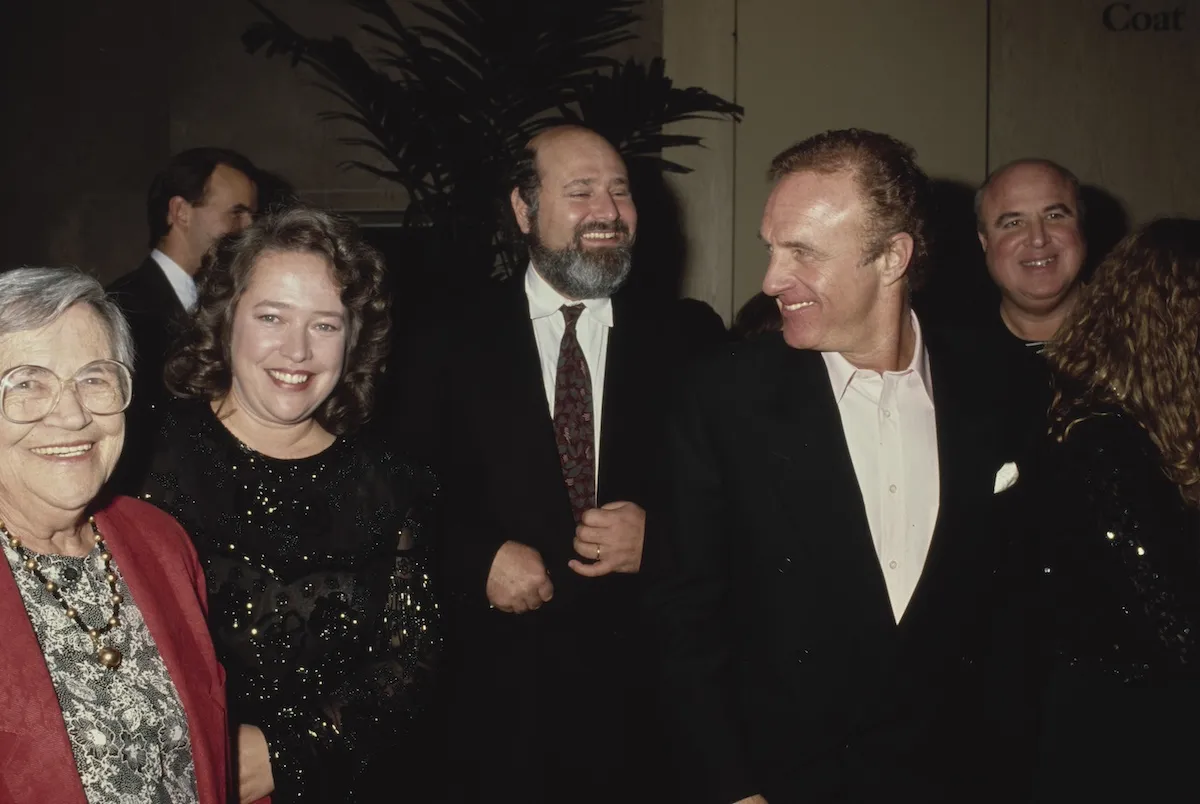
1108	572
320	603
128	730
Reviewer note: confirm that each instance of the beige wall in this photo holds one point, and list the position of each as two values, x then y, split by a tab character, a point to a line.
915	69
1120	108
699	46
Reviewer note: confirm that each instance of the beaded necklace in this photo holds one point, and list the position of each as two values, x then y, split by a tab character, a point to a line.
107	655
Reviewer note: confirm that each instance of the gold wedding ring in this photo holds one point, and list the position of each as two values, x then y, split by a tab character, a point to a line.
597	552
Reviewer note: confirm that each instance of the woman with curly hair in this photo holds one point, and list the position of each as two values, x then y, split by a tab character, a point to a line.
1108	559
308	532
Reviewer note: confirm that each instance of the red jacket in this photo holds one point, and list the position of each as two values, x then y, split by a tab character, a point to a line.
159	564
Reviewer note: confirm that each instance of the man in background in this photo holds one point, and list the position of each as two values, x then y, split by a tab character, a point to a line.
1030	223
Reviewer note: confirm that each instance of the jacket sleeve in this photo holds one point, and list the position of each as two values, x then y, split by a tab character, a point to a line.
686	604
421	400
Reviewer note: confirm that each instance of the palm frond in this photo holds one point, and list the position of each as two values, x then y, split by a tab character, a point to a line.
444	105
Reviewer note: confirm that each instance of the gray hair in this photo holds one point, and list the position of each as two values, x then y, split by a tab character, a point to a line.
34	297
1067	176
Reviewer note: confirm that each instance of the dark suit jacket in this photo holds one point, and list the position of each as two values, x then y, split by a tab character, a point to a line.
155	319
471	400
158	563
783	670
155	316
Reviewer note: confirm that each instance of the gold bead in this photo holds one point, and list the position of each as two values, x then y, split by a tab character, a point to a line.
51	587
72	613
109	657
111	578
14	542
116	599
106	557
113	622
31	564
96	537
93	633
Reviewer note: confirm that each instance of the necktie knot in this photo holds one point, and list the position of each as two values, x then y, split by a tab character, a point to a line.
571	313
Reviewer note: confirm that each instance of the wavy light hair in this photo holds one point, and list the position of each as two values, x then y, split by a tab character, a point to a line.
1133	342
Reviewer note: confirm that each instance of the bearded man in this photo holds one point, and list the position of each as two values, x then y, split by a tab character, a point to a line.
538	404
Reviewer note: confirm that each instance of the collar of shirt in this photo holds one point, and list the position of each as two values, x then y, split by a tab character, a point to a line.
181	282
545	301
842	372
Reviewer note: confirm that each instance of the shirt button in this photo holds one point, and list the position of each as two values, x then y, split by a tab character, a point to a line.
887	414
893	564
892	488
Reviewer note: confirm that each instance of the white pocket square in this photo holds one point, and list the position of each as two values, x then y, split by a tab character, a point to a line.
1005	478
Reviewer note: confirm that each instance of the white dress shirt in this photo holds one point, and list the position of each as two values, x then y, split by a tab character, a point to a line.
181	281
549	325
892	435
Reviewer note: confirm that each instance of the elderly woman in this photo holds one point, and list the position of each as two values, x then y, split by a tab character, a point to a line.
1107	568
111	691
306	528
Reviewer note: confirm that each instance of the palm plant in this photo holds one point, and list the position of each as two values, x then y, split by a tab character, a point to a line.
446	105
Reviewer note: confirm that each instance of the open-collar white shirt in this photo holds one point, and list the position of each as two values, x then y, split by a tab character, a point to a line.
889	423
181	281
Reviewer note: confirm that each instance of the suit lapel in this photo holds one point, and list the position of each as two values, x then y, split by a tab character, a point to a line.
964	480
157	297
818	488
622	407
513	363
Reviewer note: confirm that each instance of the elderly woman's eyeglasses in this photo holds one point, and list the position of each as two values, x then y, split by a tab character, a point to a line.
29	393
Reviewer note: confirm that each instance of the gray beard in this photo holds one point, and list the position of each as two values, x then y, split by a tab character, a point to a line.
581	274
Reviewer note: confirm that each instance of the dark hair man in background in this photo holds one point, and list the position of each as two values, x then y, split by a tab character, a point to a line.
200	196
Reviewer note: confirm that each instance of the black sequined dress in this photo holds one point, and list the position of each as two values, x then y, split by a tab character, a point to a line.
319	600
1105	573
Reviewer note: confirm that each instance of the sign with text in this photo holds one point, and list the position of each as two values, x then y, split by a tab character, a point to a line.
1131	17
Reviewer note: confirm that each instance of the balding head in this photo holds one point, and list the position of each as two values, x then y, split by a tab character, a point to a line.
572	203
526	175
1022	167
1029	220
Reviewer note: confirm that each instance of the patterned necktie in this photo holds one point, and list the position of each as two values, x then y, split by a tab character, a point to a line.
574	427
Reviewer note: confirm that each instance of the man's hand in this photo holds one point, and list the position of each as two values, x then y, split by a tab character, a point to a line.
752	800
254	765
518	581
612	536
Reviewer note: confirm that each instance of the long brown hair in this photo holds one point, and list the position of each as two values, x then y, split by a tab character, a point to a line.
1133	342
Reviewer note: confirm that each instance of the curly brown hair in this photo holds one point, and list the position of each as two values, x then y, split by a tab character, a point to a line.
893	187
201	366
1132	342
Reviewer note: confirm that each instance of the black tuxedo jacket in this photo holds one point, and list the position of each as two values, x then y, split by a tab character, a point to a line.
155	316
784	671
155	319
470	398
